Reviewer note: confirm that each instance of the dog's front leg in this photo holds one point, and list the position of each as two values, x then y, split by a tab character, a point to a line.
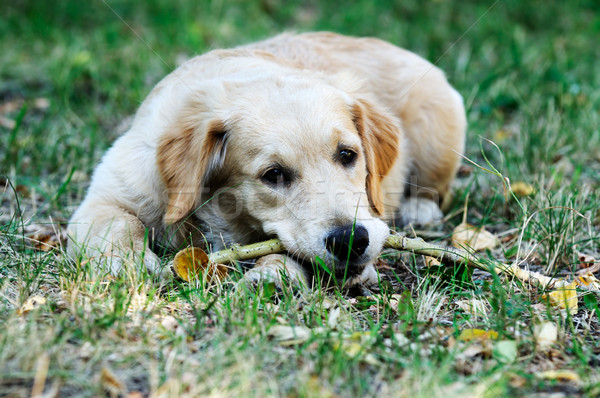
112	239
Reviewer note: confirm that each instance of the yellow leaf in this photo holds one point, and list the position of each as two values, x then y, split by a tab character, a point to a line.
564	297
563	375
31	304
192	261
477	334
546	334
521	189
477	238
352	349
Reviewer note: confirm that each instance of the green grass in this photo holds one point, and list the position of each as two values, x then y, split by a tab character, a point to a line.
528	73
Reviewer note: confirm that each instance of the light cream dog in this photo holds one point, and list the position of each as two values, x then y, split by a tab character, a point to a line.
317	139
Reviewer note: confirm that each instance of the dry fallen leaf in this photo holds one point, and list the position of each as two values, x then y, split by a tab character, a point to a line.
545	334
12	105
476	349
289	335
7	122
477	334
505	351
588	281
522	189
477	238
564	297
111	383
193	261
356	345
587	264
46	237
563	375
431	261
46	242
31	304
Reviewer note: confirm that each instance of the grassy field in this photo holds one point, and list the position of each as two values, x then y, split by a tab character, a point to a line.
71	73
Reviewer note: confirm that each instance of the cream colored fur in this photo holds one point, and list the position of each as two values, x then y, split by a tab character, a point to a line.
191	170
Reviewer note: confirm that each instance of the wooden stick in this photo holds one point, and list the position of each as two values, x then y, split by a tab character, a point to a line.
393	241
246	252
448	253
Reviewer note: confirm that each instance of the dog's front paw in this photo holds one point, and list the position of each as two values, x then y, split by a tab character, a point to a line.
368	280
283	272
420	211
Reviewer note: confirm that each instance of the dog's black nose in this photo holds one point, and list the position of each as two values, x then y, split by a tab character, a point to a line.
343	244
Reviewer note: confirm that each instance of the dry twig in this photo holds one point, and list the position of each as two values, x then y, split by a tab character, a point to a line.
444	254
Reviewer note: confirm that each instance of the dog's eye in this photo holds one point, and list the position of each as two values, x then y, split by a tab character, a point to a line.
276	176
347	157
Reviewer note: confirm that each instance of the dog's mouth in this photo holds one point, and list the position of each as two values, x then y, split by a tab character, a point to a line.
328	265
343	252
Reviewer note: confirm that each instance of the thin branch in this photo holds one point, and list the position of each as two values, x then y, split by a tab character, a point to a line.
444	254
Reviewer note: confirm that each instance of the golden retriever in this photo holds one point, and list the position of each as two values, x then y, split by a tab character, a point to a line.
319	139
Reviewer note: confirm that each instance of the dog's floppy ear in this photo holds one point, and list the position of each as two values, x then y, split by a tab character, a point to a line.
187	155
380	135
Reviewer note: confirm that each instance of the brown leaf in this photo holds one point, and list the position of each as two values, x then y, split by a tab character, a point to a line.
111	383
46	237
431	261
45	242
22	190
464	170
587	264
192	262
476	238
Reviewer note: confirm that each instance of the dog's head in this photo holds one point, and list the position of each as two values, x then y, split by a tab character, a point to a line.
291	157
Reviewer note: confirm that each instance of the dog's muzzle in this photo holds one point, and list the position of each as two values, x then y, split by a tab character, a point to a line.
348	243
